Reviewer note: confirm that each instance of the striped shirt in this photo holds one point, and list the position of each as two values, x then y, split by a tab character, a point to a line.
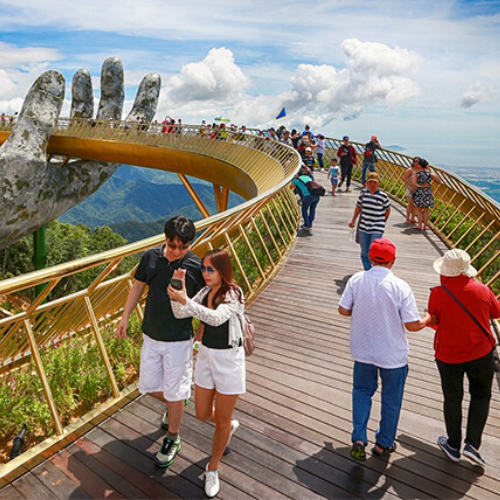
373	209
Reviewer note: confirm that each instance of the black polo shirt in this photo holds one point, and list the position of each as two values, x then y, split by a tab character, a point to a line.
155	270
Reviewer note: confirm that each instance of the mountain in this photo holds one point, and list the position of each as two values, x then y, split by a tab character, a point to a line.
135	202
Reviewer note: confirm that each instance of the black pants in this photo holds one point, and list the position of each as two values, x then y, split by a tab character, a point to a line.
480	374
345	175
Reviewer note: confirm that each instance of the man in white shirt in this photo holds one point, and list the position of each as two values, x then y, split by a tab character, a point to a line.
381	306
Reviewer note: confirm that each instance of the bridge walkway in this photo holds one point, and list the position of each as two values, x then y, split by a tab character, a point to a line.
294	439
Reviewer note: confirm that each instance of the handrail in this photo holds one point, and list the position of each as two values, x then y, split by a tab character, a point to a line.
258	233
463	217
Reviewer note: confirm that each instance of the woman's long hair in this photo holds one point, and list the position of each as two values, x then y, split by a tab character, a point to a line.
221	261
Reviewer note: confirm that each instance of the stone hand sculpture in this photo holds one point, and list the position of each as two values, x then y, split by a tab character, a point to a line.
34	191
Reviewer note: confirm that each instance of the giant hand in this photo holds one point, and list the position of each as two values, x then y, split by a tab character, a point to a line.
33	191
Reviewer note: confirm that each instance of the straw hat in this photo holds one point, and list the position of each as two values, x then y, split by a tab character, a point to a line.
454	263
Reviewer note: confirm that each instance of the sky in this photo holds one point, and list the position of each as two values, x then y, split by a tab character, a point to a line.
420	74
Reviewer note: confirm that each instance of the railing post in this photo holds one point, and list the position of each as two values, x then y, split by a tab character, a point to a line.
43	378
102	347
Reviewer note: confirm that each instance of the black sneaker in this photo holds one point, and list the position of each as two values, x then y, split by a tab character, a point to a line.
473	455
452	453
169	450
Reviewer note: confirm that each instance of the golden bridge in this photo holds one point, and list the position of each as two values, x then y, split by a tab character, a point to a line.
294	441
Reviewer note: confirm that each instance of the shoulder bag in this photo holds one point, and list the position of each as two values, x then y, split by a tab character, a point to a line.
488	334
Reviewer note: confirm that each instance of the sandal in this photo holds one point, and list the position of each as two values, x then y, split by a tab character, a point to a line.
358	451
385	451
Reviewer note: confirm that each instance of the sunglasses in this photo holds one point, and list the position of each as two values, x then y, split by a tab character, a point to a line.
207	269
173	246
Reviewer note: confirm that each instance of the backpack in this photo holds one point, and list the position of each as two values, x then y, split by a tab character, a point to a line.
315	188
248	329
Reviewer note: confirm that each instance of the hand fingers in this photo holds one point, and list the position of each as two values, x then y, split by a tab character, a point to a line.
112	93
146	99
179	273
37	118
82	102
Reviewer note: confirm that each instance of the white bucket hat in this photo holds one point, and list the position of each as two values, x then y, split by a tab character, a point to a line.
454	263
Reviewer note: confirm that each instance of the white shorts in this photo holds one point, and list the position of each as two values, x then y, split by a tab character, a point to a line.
221	369
166	367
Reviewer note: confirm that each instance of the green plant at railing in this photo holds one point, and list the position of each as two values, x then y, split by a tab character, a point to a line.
76	377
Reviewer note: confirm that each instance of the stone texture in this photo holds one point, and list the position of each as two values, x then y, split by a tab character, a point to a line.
33	191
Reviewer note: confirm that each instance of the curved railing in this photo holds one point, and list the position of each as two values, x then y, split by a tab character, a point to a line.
463	217
258	234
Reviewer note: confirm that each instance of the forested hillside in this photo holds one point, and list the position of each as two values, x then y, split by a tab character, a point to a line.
135	202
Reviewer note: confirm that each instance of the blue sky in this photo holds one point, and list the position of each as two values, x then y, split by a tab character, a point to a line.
421	74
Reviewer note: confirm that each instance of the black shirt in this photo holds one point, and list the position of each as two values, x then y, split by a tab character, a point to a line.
215	337
155	270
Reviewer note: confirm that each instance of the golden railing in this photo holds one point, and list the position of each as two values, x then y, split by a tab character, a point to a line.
463	217
258	233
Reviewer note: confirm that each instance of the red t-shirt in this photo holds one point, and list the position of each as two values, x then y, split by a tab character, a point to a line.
458	339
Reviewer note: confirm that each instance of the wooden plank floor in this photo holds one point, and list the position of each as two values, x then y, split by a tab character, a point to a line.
294	439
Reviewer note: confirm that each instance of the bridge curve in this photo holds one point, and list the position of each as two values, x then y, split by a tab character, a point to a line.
259	233
294	439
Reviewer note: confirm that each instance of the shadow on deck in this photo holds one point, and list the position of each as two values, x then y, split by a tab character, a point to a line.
294	441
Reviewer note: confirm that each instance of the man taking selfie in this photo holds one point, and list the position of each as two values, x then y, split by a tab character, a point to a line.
167	352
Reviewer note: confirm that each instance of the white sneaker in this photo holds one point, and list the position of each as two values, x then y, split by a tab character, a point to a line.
235	425
212	483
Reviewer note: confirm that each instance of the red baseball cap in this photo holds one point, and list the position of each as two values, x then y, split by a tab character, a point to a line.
382	250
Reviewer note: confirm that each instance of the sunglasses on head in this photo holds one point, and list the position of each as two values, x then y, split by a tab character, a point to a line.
207	269
173	246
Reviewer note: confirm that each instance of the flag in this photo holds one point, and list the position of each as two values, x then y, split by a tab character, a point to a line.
282	114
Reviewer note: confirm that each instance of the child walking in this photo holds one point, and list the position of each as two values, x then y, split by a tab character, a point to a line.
333	175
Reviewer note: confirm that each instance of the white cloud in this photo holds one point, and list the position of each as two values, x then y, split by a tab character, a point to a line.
216	78
19	67
475	93
374	74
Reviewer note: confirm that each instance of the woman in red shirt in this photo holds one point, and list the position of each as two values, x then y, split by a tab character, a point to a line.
463	345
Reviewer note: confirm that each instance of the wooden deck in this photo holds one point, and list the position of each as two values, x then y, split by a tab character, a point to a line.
294	441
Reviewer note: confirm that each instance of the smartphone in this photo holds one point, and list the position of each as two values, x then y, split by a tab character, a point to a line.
176	283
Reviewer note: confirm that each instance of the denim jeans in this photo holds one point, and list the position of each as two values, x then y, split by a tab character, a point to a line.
309	209
320	160
480	373
365	242
364	387
367	166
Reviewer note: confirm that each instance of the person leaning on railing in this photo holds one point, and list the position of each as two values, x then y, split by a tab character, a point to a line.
462	309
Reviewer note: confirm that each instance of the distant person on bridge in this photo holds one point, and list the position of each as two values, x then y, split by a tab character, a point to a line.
167	352
373	209
348	160
410	179
464	345
309	201
333	175
423	199
369	157
380	306
219	376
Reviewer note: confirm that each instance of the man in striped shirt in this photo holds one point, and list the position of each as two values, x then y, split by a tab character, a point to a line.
373	208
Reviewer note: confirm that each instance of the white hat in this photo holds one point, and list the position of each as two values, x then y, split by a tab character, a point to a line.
454	263
308	149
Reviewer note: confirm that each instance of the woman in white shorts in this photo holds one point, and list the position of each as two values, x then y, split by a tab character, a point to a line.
219	374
